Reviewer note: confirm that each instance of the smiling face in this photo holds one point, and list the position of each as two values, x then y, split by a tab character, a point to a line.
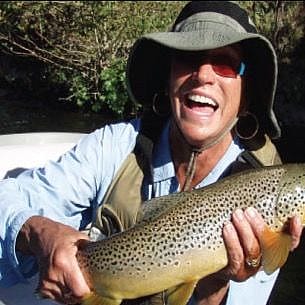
205	103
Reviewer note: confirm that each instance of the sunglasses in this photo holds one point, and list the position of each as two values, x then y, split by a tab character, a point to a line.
222	64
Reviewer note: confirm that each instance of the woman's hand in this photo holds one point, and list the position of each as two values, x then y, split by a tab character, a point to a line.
244	254
55	246
243	248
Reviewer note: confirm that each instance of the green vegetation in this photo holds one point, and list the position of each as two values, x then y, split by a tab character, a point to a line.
76	51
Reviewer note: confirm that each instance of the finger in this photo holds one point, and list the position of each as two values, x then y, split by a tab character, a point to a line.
52	285
49	289
75	278
77	282
41	295
67	295
233	247
295	229
246	235
47	293
258	225
236	269
256	221
68	298
66	271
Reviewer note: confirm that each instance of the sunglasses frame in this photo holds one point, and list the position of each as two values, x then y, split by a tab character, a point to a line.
239	71
242	69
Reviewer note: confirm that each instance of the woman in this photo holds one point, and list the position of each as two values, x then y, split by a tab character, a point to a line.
218	77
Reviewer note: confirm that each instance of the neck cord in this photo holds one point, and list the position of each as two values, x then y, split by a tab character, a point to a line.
195	151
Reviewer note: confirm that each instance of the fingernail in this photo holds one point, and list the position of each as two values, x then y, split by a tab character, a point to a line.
228	226
251	212
238	213
297	220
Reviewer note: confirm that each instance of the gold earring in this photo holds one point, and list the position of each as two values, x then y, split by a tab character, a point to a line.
161	104
247	126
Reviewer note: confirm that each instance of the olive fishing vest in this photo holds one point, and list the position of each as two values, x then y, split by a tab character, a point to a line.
120	207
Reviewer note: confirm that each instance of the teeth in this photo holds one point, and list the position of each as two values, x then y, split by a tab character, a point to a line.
202	100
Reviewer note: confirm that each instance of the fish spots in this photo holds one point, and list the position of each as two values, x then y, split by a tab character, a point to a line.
175	228
176	263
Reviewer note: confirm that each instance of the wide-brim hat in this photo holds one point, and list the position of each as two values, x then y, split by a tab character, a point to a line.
204	25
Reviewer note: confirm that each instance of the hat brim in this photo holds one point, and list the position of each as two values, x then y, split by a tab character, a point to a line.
199	40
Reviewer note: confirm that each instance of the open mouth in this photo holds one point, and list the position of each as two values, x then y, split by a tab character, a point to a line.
194	100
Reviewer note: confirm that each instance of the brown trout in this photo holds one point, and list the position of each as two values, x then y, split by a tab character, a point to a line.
179	240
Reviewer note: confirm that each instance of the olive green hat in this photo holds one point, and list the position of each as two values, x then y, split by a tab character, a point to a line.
204	25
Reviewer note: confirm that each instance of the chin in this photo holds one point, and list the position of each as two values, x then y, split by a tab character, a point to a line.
197	140
200	137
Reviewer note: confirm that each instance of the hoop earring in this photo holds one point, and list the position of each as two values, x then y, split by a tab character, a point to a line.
247	126
161	104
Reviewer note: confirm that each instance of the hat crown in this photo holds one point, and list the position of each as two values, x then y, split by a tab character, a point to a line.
228	12
201	21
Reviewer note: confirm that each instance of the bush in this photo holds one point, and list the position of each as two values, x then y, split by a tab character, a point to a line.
82	46
281	21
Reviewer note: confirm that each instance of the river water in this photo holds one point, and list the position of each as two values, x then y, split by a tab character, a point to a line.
19	115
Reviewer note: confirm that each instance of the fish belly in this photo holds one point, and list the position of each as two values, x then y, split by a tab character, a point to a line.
190	267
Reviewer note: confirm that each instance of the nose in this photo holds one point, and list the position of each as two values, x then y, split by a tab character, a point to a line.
204	73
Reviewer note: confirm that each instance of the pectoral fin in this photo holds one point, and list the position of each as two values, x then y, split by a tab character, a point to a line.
275	249
181	294
95	299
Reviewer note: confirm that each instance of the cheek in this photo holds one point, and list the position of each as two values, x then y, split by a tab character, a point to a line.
233	94
243	102
178	76
174	82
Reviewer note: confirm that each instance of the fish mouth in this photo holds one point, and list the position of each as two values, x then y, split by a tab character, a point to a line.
196	100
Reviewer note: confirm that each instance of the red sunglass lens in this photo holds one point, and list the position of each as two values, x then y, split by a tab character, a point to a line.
224	70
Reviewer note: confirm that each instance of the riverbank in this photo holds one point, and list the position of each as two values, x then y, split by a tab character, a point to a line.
20	114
